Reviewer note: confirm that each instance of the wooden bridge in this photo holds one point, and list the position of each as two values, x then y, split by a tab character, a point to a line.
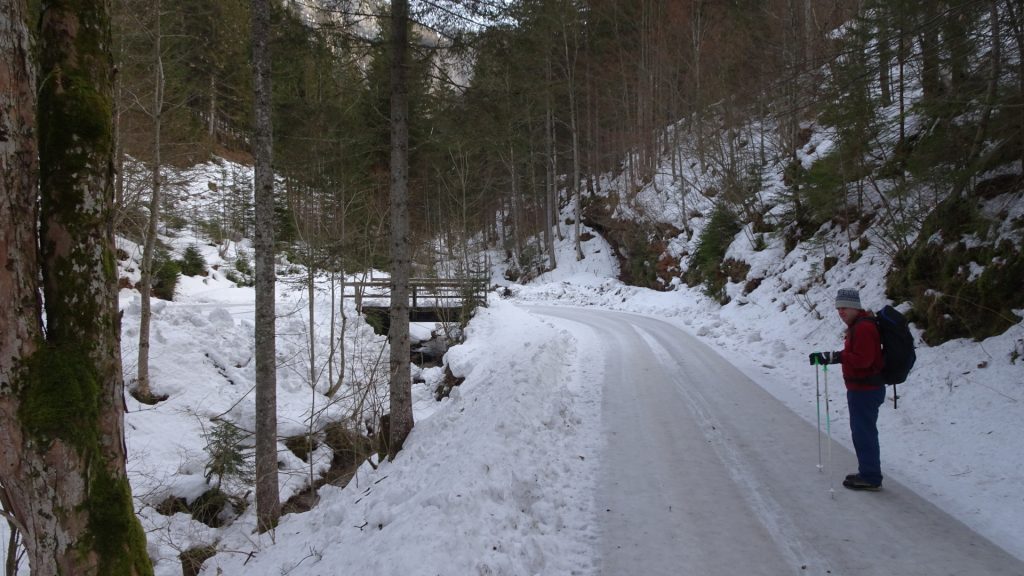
430	299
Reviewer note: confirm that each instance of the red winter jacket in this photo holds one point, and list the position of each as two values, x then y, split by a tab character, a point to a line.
862	354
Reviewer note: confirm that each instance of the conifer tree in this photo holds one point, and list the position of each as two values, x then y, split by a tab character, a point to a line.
401	419
268	500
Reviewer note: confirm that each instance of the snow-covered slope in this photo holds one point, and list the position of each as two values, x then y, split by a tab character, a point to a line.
496	479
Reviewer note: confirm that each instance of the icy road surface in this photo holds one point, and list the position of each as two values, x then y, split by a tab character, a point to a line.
704	472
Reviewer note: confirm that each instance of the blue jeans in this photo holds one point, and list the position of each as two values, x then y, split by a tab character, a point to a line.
864	406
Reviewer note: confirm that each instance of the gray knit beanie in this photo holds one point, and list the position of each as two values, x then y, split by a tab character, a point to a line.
848	298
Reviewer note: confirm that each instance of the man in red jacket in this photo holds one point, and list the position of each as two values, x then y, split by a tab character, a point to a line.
862	363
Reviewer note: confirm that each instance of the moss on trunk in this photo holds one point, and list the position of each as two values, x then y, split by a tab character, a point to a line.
114	533
59	398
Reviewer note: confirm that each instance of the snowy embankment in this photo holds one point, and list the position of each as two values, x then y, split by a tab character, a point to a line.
497	480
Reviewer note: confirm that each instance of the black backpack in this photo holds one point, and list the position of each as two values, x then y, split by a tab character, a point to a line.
897	345
897	348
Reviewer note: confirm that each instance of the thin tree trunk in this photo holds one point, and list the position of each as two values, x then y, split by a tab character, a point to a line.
311	309
330	338
698	30
930	73
212	120
901	56
594	134
339	335
570	64
514	205
556	196
956	47
142	387
884	57
576	181
119	153
550	182
337	383
400	384
268	503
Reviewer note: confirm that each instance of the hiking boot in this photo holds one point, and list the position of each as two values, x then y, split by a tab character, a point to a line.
855	482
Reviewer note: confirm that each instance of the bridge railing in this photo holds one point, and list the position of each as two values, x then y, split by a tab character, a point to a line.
427	292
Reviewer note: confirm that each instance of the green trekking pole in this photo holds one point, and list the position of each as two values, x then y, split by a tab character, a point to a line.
817	393
828	427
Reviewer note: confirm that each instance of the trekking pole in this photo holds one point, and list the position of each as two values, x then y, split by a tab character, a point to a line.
817	392
828	427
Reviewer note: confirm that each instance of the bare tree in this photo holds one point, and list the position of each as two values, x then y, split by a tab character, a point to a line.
268	500
142	387
62	466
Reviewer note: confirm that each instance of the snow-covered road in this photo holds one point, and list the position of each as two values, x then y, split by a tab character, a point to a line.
704	472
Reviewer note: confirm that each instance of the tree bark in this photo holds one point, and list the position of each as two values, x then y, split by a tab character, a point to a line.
550	179
930	77
398	334
570	72
21	327
1016	26
268	502
62	394
698	32
884	60
902	41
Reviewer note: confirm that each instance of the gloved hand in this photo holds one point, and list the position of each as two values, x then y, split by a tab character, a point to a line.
824	358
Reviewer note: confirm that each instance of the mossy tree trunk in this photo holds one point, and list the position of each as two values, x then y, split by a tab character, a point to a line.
62	394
